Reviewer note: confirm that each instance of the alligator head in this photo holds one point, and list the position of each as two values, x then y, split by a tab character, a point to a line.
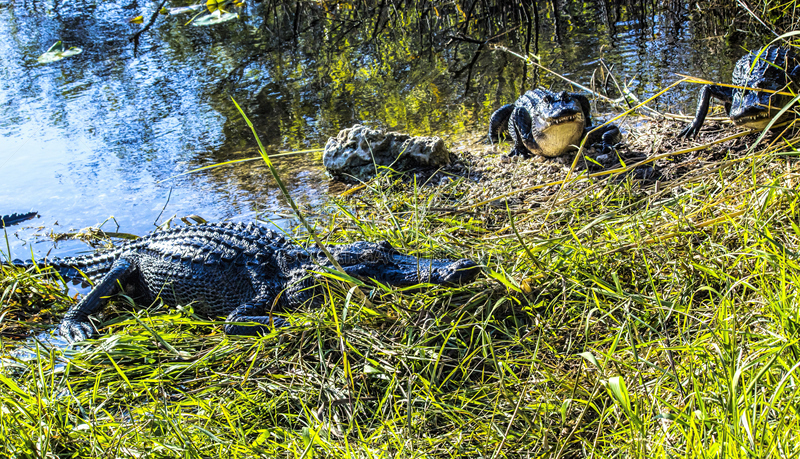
383	263
557	121
773	70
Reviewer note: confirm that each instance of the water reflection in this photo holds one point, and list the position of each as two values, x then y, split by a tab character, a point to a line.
91	136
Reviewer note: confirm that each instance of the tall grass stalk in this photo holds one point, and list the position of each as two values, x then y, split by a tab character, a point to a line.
298	214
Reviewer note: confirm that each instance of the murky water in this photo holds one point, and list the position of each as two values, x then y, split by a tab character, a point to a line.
100	134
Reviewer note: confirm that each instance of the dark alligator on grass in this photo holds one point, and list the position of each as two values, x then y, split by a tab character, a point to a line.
549	124
774	68
242	272
13	219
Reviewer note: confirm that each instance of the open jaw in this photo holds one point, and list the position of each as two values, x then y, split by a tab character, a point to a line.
575	117
755	120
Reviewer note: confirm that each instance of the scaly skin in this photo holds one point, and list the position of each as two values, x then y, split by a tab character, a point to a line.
13	219
774	68
548	124
242	272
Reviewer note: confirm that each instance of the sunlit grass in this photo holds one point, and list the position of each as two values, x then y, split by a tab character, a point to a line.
618	319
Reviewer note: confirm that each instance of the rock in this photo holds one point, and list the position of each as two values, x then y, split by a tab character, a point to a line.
355	152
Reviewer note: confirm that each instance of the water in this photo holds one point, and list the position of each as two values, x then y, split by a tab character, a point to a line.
101	134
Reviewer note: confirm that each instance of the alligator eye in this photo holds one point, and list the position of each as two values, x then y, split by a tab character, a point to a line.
564	96
549	99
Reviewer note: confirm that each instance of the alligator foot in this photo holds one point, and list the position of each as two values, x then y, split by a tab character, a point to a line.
74	331
252	312
520	150
605	139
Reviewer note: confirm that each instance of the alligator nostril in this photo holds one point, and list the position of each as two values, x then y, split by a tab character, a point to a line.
463	272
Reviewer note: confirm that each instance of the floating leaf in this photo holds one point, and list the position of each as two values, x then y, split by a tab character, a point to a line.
136	20
186	9
214	18
163	11
57	52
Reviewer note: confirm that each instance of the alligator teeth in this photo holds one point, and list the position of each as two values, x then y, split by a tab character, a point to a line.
565	119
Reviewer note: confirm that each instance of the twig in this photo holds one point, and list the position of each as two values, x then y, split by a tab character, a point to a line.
135	37
155	223
749	11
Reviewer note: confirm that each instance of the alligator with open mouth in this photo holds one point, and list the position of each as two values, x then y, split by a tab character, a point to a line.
242	272
549	124
775	69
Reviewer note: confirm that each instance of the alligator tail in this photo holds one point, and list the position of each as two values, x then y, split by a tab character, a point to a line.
13	219
92	266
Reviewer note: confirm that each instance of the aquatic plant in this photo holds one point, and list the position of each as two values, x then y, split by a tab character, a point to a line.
57	52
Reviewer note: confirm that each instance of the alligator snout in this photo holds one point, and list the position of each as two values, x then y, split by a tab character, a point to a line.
754	117
566	116
460	272
753	110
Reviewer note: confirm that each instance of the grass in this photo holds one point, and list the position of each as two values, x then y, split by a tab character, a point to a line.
614	318
623	322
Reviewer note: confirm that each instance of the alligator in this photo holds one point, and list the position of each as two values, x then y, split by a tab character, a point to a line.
773	68
549	124
242	272
13	219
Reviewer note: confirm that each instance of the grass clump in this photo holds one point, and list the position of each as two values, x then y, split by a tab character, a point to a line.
617	317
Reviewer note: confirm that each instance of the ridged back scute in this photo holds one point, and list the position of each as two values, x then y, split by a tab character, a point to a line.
208	244
765	70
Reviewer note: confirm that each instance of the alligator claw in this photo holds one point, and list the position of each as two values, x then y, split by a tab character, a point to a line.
689	131
74	331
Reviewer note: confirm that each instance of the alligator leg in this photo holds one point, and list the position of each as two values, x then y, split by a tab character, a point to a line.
76	326
253	312
524	144
499	122
721	93
605	138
